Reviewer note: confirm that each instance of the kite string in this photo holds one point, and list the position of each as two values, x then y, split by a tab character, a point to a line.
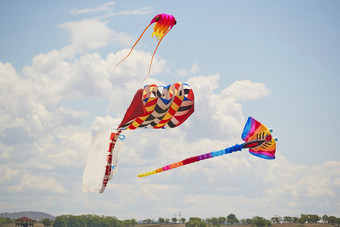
154	55
132	47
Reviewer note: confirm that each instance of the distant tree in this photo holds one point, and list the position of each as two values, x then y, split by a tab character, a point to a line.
231	218
313	218
60	221
167	220
174	220
213	221
247	221
332	220
276	219
287	219
324	218
108	221
183	220
295	219
302	220
128	223
195	222
74	221
6	220
337	222
147	221
222	220
161	220
261	222
133	222
46	221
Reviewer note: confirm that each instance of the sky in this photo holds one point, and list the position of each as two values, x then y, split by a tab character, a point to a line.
277	61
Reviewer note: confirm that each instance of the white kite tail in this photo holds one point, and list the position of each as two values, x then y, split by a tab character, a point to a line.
102	159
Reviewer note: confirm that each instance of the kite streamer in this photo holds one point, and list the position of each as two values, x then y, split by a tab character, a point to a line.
257	138
163	24
158	107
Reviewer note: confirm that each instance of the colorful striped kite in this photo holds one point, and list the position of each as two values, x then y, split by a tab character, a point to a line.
257	138
155	107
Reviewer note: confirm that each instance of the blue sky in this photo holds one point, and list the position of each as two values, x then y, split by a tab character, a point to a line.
274	60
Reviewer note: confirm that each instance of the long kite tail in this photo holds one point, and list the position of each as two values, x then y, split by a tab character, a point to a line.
197	158
154	53
132	47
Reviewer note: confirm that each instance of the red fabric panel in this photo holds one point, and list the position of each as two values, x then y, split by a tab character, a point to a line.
135	109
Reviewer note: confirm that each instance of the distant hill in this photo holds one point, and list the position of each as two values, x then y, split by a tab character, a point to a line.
30	214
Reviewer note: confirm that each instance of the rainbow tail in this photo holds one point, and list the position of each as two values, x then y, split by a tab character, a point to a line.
257	138
197	158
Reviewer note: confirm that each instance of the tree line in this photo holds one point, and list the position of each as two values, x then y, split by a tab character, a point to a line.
90	220
260	221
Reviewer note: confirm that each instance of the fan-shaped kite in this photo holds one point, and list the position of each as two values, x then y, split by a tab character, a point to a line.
257	137
163	24
155	107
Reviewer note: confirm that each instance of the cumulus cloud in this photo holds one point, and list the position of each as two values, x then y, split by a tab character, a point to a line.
89	34
221	114
107	7
104	7
38	183
141	11
5	154
246	90
195	68
6	173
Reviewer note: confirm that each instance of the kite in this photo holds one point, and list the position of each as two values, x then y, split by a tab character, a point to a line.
158	107
257	137
163	24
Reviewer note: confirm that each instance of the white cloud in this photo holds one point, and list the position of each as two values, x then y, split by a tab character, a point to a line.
182	72
5	151
221	114
246	90
104	7
107	7
104	123
141	11
6	173
195	68
5	155
39	183
89	34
